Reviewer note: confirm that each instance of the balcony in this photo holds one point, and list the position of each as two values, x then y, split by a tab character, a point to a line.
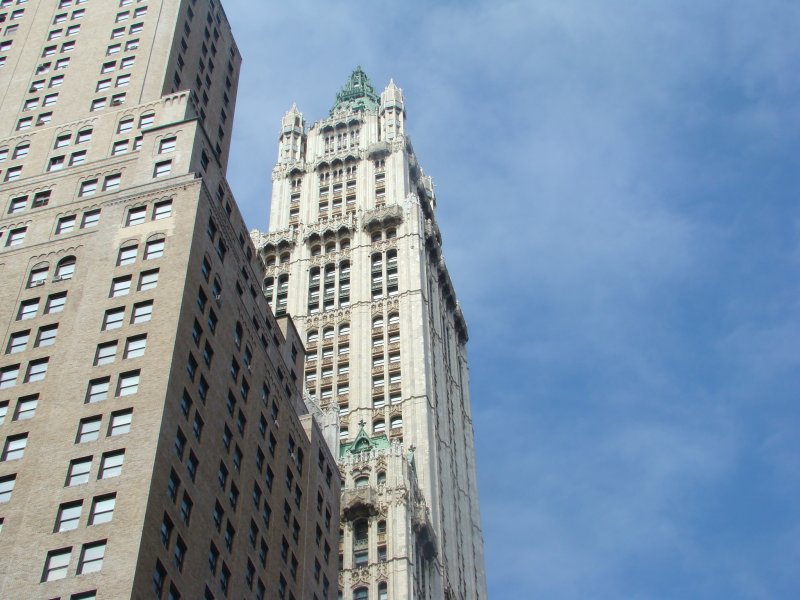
359	502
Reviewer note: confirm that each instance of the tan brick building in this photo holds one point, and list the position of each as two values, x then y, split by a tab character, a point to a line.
153	435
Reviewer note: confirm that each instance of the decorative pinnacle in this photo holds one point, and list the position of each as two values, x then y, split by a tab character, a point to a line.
357	94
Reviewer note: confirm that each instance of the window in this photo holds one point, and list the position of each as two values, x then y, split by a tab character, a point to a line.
127	254
131	45
79	471
120	147
41	199
65	269
147	120
90	218
83	136
136	216
135	346
14	448
46	336
98	104
26	408
111	183
21	151
55	303
91	559
37	370
159	576
127	62
56	565
7	487
113	49
162	168
148	280
28	309
56	164
17	205
120	286
18	342
154	249
162	210
142	312
88	430
111	464
97	390
125	125
88	187
8	376
167	145
102	509
106	353
77	158
69	514
113	318
128	383
16	236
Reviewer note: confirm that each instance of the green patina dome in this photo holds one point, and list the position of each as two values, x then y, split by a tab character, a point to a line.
357	94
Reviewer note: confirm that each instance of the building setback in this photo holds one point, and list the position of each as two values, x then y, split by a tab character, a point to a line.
353	253
154	441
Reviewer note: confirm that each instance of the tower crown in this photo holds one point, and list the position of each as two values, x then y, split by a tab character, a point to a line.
357	94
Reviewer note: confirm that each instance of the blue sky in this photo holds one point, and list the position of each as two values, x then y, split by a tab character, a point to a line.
617	187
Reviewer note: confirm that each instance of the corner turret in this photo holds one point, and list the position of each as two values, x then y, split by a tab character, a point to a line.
292	145
392	112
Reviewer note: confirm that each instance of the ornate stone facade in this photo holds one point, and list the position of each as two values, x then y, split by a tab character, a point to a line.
353	253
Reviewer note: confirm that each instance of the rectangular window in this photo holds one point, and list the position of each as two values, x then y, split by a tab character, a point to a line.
127	255
111	182
7	487
28	309
154	249
17	204
56	164
69	514
88	187
65	224
135	346
102	509
128	383
41	199
106	353
91	560
162	210
167	145
37	370
88	430
46	336
127	62
136	216
14	448
111	464
162	168
123	80
26	408
79	471
113	318
97	390
120	286
16	236
90	218
77	158
55	303
120	147
18	342
8	376
148	280
120	422
56	564
142	312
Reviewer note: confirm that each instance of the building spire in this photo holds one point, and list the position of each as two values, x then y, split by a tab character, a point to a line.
357	94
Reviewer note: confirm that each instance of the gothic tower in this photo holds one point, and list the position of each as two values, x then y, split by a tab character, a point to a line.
354	255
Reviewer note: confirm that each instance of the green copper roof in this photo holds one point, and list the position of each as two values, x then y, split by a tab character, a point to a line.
357	94
363	443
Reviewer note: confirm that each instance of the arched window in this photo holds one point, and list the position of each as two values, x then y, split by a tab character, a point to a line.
377	322
127	253
383	591
312	336
378	426
327	333
330	247
376	259
344	244
344	329
38	274
269	260
65	268
376	236
391	233
381	481
396	422
316	250
284	258
394	319
361	593
155	247
362	481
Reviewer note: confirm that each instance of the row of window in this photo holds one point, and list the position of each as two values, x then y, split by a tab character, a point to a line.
36	370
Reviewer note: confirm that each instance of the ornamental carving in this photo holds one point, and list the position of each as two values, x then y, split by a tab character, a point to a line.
383	216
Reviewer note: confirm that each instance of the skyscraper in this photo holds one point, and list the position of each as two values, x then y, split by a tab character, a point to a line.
354	254
153	438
